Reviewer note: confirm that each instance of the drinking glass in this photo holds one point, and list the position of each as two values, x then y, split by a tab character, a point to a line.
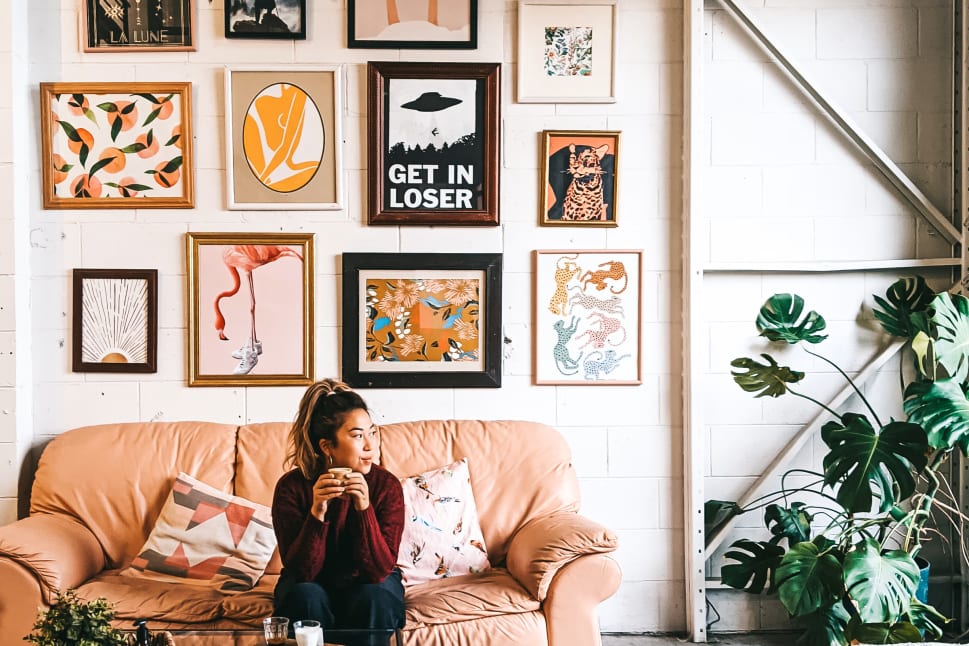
308	633
275	629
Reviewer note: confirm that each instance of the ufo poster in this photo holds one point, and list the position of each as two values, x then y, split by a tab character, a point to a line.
144	25
436	146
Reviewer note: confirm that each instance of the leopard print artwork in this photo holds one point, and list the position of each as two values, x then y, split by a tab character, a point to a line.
563	360
583	199
564	272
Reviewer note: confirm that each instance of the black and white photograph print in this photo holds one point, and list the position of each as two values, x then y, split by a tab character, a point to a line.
435	149
265	19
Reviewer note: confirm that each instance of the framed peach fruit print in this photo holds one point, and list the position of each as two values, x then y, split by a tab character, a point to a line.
116	145
283	132
250	309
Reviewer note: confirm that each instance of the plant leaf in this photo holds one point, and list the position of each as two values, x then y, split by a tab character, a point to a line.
866	464
792	523
882	633
770	379
755	565
826	627
942	410
881	583
903	298
718	512
778	320
808	579
927	619
950	318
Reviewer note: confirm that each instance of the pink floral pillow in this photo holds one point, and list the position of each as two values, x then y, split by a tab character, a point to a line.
442	536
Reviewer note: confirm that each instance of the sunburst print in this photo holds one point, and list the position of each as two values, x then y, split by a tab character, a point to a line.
114	321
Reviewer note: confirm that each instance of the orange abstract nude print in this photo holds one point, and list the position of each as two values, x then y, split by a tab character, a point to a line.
247	258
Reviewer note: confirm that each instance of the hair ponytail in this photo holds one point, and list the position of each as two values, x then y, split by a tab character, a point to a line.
322	410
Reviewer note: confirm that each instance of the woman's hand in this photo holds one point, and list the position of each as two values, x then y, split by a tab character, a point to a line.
327	488
357	489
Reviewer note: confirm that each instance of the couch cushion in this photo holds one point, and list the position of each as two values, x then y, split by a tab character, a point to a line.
519	470
204	536
176	603
134	462
461	598
442	537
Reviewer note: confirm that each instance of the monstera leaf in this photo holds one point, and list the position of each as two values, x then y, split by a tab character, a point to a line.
778	320
942	410
950	316
826	627
862	460
718	512
927	619
769	379
905	297
882	633
755	565
881	583
792	523
808	579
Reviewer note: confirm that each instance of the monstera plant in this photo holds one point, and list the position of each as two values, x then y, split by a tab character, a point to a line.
843	544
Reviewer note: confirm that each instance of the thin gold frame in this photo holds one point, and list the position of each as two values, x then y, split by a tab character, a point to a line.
85	31
193	243
583	137
187	169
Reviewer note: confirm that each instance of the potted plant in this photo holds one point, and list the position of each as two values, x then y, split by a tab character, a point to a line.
72	621
842	551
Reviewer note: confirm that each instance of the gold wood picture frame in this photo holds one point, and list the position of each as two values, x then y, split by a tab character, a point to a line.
116	145
580	178
138	26
250	314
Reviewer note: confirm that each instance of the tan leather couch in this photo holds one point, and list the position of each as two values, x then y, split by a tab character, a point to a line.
98	490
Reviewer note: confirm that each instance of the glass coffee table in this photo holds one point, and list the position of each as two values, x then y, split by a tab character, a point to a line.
332	637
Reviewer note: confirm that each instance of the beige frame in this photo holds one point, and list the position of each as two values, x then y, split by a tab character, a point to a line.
609	164
535	85
197	309
566	322
323	85
84	17
101	139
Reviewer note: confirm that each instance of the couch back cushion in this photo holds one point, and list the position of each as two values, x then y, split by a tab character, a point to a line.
114	478
519	470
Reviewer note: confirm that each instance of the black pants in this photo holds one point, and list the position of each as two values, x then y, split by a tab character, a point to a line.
364	605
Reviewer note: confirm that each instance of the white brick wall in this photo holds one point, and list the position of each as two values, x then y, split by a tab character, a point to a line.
778	174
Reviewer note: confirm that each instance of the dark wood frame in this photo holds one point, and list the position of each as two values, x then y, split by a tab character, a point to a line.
490	264
150	276
356	43
489	118
89	37
299	35
195	376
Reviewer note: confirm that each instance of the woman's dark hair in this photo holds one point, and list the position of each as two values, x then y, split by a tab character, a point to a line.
322	410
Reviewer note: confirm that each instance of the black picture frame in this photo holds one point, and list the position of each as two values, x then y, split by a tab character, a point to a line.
411	33
425	166
435	299
115	320
159	26
256	27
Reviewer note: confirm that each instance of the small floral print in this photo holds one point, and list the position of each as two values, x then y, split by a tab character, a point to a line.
568	51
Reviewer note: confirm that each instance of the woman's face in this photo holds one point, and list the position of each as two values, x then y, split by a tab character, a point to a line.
357	443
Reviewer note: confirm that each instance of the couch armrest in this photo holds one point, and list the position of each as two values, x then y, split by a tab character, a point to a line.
544	545
57	551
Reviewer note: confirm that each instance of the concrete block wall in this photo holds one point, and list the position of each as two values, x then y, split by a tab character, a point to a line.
627	441
785	186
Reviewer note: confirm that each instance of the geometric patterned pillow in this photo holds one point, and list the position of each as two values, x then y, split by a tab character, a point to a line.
205	536
442	536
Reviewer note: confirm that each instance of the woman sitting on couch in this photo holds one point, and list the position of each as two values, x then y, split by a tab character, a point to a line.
338	534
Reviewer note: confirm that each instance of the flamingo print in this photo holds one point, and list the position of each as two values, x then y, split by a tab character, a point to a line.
246	258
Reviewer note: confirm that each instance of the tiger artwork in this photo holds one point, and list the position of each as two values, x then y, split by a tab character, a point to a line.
584	199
